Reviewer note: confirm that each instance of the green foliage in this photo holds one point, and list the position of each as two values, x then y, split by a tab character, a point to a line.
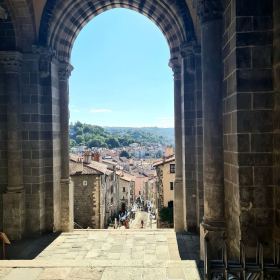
79	139
72	143
112	142
159	154
96	136
124	154
146	134
166	215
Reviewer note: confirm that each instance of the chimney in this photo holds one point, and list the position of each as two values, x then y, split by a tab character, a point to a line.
79	165
96	157
169	151
163	158
87	157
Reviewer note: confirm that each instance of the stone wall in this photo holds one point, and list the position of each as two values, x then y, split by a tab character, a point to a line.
51	155
198	138
87	200
276	65
126	194
32	117
3	142
248	122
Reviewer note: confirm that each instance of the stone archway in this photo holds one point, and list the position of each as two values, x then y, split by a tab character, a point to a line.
58	33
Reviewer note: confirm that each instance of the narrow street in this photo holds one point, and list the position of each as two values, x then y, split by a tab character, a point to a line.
148	224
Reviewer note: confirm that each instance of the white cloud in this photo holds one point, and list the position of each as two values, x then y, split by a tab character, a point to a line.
164	118
76	111
165	121
100	110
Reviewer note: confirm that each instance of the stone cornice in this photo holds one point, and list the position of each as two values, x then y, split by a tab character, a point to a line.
64	70
11	61
187	52
209	10
45	54
176	68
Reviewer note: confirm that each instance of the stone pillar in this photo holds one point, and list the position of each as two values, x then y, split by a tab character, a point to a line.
67	190
14	199
198	137
187	60
179	202
213	225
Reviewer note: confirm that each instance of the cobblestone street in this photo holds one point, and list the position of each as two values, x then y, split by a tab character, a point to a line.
107	254
148	224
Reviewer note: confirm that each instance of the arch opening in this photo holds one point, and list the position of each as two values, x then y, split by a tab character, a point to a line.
69	17
144	81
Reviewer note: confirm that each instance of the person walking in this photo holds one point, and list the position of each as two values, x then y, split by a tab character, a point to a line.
142	223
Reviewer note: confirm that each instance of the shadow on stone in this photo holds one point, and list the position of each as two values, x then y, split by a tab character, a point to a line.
189	249
28	249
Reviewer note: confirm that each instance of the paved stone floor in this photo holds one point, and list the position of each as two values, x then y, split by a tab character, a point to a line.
108	254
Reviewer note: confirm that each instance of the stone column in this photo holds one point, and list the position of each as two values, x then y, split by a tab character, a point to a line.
213	225
179	202
14	199
187	60
67	191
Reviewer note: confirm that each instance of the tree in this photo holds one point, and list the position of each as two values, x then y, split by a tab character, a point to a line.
78	124
94	143
72	143
79	139
124	154
166	215
79	131
112	142
159	154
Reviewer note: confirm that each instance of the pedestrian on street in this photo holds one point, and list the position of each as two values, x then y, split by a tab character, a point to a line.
142	223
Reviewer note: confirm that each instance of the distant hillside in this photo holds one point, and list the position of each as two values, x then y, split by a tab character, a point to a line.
96	136
167	133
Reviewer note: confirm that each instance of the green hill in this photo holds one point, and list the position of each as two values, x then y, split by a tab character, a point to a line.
166	133
96	136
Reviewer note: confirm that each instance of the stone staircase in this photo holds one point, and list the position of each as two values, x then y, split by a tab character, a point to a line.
108	254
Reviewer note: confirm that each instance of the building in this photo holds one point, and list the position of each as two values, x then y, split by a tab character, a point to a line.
89	180
139	152
126	183
165	169
134	145
139	183
150	187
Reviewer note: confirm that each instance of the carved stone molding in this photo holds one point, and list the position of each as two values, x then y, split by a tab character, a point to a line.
64	71
3	13
209	10
11	61
46	55
176	68
187	52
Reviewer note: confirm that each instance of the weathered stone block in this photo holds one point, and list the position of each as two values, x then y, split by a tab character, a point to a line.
262	142
14	215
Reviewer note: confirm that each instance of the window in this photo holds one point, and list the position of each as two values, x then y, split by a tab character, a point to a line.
139	192
171	186
170	204
111	177
123	189
172	168
112	199
112	189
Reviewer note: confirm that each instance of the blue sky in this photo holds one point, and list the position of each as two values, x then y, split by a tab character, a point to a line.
121	75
